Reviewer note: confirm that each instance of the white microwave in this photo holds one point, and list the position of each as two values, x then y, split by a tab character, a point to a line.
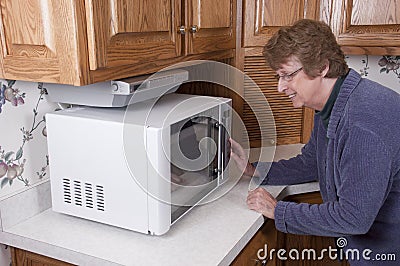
139	167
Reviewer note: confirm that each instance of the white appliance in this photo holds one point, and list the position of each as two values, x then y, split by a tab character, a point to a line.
139	167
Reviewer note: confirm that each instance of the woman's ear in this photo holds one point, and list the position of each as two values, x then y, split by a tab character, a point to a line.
325	70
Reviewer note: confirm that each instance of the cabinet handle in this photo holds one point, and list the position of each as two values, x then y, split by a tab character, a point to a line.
194	29
182	30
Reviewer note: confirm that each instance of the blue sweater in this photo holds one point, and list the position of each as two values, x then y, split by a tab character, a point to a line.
357	163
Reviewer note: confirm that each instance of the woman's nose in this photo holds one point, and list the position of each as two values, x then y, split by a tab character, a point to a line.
281	85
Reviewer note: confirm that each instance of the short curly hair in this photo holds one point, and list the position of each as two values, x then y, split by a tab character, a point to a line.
312	43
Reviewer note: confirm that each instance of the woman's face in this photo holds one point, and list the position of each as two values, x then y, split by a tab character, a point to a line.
301	89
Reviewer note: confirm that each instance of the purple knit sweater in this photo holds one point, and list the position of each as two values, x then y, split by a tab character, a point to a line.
357	163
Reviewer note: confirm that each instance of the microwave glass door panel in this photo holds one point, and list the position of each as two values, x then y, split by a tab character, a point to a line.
194	160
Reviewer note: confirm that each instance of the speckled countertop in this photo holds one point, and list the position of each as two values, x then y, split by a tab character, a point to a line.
210	234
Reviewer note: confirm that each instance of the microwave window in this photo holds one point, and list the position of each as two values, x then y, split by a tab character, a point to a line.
194	162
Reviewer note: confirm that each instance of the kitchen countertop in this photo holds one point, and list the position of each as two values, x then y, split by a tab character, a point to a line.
217	231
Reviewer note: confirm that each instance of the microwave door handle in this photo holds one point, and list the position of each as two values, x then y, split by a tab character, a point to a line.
221	151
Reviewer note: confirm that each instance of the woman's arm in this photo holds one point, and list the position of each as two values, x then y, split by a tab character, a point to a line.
365	181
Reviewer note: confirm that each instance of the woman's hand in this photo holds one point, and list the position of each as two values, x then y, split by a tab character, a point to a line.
241	159
261	201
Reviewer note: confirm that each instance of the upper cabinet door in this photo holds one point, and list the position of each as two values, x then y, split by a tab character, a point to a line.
361	27
124	32
210	25
39	40
263	18
83	42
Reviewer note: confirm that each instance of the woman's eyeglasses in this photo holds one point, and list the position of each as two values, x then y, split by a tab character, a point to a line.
290	76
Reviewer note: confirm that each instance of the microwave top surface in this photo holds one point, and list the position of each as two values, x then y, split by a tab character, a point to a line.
174	107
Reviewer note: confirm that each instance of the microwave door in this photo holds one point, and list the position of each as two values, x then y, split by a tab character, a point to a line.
194	162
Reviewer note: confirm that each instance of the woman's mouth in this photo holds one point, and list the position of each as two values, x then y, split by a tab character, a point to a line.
292	95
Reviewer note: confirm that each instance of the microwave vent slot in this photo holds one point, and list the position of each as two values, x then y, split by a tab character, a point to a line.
83	194
100	197
78	192
88	195
67	190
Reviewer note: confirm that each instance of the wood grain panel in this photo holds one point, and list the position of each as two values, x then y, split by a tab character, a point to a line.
25	258
44	69
146	18
2	75
325	11
288	121
376	12
25	28
212	14
289	11
267	234
263	18
148	67
42	41
308	124
216	25
372	28
123	32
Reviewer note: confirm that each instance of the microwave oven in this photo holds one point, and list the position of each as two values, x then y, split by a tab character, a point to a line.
140	167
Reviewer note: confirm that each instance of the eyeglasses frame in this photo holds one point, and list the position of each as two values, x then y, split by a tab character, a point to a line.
290	76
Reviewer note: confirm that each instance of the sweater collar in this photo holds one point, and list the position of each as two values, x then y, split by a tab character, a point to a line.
348	86
325	113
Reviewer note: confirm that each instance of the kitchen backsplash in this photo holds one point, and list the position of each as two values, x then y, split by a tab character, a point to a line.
23	147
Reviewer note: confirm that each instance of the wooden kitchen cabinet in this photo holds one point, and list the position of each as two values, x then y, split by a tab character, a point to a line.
211	25
22	257
142	30
364	28
268	238
82	42
263	18
266	235
44	41
130	32
361	28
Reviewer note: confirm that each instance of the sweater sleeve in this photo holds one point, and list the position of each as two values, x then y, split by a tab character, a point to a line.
364	170
299	169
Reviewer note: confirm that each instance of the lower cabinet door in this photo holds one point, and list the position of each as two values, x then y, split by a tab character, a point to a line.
22	257
271	247
255	251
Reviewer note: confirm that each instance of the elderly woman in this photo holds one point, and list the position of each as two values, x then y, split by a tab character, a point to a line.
354	150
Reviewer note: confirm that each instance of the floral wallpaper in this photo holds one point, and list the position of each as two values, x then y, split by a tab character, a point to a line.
382	69
23	148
